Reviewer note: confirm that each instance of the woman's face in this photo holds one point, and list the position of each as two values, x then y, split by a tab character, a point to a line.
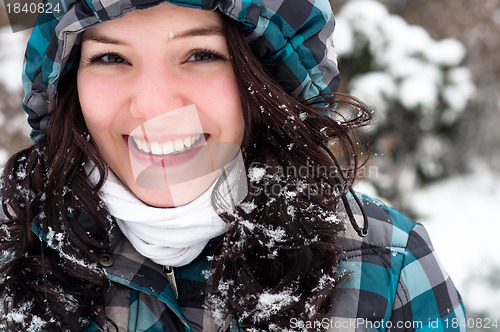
155	87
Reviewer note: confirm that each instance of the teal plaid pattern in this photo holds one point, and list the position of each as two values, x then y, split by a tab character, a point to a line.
395	283
293	37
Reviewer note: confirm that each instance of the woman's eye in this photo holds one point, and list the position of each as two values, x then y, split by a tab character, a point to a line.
205	56
113	58
109	58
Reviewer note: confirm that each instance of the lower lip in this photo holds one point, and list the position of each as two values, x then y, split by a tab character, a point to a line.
167	160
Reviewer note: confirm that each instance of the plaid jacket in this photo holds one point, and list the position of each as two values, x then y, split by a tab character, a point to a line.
396	283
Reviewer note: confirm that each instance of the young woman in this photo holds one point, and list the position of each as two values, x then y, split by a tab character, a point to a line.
183	179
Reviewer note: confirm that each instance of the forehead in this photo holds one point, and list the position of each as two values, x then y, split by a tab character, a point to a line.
165	17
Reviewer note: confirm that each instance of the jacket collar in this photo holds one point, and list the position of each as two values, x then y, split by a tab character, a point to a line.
124	265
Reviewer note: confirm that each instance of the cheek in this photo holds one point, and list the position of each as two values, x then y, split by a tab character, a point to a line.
233	112
221	98
96	101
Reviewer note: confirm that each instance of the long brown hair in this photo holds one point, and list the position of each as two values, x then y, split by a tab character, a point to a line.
46	189
278	260
280	242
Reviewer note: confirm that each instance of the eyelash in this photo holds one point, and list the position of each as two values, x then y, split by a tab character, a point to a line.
215	56
97	59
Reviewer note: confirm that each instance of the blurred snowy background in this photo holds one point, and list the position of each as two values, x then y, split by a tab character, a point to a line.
430	71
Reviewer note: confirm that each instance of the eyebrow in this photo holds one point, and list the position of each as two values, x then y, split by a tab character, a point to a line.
196	32
91	35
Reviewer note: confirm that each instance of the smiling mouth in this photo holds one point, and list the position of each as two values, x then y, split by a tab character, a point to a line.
167	148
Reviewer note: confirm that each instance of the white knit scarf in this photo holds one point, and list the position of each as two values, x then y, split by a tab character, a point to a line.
167	236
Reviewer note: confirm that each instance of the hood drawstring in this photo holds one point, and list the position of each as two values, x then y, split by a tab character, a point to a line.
362	232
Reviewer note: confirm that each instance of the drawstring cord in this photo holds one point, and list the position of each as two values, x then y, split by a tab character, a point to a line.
362	232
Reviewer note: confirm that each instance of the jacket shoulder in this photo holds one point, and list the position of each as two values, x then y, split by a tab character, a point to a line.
393	274
387	227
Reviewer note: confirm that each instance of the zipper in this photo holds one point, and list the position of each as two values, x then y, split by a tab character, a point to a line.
169	272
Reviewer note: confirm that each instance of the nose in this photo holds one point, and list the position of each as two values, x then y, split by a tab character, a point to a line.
156	90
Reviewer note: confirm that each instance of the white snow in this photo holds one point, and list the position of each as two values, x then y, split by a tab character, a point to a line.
375	89
57	241
459	88
409	66
430	149
255	174
271	303
346	44
461	216
12	47
248	207
420	90
447	52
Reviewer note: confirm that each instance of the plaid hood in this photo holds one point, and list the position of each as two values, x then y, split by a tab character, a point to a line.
293	37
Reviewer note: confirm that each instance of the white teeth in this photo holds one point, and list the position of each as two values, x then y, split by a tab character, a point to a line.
146	148
139	144
179	144
169	147
156	148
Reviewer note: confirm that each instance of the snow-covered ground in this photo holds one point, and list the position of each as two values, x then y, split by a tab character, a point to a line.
460	215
